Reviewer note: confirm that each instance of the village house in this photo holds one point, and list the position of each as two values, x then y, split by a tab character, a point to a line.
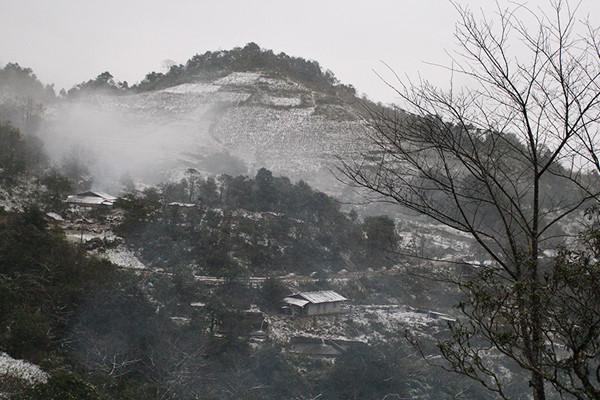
92	198
314	303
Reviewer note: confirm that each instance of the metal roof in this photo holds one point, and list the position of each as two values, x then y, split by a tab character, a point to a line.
296	302
92	198
321	296
89	200
97	193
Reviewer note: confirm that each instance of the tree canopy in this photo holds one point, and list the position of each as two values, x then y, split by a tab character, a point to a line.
502	161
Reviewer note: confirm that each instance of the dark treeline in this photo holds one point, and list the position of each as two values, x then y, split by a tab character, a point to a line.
215	64
22	97
20	155
21	81
263	225
251	57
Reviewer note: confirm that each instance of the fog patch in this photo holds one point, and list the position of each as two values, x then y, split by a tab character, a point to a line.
144	137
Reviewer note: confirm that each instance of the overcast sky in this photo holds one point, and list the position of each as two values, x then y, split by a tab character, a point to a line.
66	42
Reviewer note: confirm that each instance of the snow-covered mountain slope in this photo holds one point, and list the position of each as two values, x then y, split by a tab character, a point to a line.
235	124
259	118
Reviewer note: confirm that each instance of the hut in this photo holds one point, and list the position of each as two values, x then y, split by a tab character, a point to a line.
315	303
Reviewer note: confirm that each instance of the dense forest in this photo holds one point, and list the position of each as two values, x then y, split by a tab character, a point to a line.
263	225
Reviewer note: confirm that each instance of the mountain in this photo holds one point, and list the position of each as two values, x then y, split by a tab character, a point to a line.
223	112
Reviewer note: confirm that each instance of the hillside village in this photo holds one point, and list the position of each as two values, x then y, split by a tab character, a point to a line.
307	314
244	226
332	310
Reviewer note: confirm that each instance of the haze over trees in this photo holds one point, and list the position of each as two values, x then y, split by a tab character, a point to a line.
506	161
22	97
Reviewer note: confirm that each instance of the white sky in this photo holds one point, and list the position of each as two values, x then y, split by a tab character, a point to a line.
69	41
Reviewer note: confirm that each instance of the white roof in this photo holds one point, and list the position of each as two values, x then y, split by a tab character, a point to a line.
321	296
96	193
295	302
55	216
89	200
178	204
92	198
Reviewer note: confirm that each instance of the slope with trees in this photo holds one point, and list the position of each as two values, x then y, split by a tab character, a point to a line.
22	97
104	333
249	58
263	225
502	160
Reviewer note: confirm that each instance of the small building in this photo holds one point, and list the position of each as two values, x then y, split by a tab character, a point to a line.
314	303
92	198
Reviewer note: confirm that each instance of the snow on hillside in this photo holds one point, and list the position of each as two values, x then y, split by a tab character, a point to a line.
290	142
359	323
265	120
122	257
279	84
283	101
239	79
21	369
18	196
188	88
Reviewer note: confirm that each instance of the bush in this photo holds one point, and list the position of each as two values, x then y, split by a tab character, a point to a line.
61	386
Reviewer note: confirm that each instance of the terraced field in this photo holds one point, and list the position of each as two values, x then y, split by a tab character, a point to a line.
261	120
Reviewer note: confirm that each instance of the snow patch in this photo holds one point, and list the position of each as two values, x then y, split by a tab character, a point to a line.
21	369
279	84
189	88
122	257
239	79
55	216
283	101
361	323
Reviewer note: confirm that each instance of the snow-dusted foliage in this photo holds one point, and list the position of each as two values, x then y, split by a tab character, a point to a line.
21	369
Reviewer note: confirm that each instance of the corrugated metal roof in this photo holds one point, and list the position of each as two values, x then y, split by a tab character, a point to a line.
296	302
321	296
92	198
88	200
104	195
95	193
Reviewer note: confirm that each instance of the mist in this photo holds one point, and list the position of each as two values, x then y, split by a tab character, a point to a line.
149	138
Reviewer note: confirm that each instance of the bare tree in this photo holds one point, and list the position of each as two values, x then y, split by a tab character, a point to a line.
505	161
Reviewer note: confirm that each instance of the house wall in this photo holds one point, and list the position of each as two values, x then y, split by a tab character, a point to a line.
323	308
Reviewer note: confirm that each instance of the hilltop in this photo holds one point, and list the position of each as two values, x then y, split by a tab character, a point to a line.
222	112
